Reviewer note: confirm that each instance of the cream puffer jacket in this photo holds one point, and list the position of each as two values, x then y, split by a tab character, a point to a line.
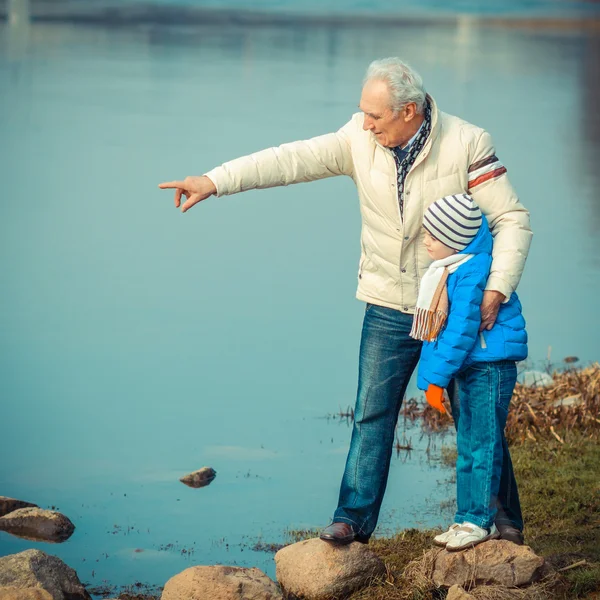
457	157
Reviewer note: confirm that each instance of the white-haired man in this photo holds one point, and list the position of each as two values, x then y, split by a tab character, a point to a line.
403	154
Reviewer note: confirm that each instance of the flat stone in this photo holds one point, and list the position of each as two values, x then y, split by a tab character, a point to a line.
220	583
13	593
7	505
200	478
497	562
35	571
317	570
37	524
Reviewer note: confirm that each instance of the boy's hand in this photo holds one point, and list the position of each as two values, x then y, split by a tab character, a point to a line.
435	397
489	308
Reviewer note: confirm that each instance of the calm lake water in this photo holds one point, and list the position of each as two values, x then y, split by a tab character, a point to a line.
139	344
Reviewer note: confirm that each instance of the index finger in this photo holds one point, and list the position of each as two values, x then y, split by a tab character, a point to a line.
171	184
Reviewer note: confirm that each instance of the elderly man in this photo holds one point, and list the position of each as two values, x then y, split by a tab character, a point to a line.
403	153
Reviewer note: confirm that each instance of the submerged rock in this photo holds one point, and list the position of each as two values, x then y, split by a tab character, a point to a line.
35	571
37	524
535	379
199	478
497	562
220	583
7	505
317	570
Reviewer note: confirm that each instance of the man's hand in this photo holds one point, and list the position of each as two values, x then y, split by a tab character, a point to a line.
194	189
489	308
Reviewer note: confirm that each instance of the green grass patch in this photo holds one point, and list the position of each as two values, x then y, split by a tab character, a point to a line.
559	485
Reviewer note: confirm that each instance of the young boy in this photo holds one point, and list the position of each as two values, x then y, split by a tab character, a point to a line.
447	319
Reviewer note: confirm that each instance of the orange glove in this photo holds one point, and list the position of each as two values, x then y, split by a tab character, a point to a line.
435	395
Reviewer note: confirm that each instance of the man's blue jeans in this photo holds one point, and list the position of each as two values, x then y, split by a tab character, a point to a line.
483	468
388	356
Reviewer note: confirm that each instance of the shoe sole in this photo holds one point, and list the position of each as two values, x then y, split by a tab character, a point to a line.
337	540
440	544
492	536
518	540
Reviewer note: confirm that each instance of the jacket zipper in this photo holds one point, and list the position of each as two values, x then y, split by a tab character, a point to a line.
482	341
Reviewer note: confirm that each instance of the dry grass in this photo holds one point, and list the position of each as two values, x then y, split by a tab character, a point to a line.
535	413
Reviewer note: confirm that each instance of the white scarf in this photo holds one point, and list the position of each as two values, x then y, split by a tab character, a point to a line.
432	304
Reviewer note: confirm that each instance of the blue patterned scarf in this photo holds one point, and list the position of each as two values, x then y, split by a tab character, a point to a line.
405	159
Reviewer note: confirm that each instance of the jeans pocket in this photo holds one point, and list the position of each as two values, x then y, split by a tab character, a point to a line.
480	367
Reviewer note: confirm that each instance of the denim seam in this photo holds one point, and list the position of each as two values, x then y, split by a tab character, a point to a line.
399	394
357	460
488	457
490	451
389	462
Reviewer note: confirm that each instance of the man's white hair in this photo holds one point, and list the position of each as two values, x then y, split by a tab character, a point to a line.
404	84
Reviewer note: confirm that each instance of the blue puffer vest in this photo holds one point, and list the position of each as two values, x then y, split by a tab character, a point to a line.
460	343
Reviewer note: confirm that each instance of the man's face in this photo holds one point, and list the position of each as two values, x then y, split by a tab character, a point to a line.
435	248
389	129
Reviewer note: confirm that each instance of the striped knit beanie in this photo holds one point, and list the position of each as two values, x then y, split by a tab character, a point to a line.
453	220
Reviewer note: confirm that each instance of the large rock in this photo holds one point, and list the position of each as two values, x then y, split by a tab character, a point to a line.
458	593
13	593
495	562
7	505
37	524
317	570
220	583
35	570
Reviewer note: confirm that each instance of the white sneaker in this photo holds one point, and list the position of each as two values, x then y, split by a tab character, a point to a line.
469	535
442	538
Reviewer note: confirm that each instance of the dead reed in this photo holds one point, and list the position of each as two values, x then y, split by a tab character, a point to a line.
570	403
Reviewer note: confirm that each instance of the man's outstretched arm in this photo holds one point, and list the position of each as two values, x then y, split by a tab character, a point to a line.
308	160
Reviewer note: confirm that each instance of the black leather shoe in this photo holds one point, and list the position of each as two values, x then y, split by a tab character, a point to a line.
511	534
338	533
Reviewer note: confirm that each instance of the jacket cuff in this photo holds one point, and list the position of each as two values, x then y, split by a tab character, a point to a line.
216	177
497	284
439	380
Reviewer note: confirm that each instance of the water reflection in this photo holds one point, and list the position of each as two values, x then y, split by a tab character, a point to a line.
18	30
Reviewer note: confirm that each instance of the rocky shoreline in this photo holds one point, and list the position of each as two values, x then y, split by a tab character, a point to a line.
308	570
556	456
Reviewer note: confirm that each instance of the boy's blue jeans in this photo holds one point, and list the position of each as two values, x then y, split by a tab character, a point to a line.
388	356
484	473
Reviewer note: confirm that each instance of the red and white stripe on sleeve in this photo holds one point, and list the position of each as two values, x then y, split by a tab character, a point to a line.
484	170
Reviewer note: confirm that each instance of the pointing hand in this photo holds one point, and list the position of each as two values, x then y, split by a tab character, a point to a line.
195	189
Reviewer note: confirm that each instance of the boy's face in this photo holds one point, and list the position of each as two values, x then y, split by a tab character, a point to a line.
435	248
